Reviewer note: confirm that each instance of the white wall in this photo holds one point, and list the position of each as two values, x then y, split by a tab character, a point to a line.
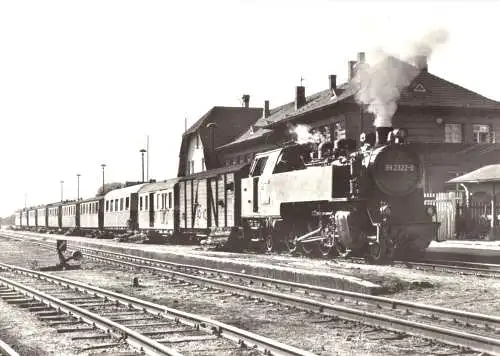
195	158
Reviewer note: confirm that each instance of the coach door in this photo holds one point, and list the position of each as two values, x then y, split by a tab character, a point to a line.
257	170
151	209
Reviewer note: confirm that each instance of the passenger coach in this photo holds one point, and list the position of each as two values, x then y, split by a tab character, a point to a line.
91	213
157	207
120	210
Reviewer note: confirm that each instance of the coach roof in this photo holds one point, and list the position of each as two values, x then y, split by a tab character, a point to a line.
123	192
154	187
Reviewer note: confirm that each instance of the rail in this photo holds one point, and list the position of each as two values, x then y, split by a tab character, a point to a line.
446	335
267	345
6	350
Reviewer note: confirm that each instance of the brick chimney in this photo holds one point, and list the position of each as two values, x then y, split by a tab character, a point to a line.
421	63
300	96
351	69
361	57
265	110
246	100
332	80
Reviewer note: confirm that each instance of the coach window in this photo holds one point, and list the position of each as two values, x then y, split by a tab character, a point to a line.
140	203
258	167
170	200
121	204
157	201
146	202
107	205
127	203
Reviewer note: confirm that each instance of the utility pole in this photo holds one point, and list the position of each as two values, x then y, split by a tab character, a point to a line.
103	165
142	151
78	187
147	159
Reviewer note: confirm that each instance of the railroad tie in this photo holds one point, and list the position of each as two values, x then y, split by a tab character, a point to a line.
100	346
188	339
18	301
169	331
54	317
91	337
65	322
74	330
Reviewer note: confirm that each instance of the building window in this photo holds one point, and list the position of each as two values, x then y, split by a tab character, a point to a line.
202	164
197	141
483	134
192	166
453	133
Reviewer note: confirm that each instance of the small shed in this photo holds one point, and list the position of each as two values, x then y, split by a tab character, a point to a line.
485	179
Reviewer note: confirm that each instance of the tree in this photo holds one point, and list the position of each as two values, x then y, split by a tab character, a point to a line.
109	187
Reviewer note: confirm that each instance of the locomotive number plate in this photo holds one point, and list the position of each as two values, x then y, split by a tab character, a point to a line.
399	167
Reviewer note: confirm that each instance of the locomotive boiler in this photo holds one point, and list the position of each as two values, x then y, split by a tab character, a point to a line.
347	200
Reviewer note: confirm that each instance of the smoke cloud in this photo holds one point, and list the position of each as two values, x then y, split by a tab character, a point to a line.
379	85
305	134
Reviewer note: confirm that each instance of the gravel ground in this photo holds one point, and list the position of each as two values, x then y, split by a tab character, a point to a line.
322	336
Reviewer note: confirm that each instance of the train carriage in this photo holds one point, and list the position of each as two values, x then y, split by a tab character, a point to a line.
209	203
41	217
24	218
91	214
69	216
54	216
18	219
32	218
157	207
120	210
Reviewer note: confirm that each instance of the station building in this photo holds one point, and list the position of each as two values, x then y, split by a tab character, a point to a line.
454	129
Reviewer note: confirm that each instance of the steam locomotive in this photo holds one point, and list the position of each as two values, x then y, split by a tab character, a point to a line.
332	199
365	201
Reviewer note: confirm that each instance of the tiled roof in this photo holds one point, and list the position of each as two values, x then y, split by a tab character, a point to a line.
437	92
489	173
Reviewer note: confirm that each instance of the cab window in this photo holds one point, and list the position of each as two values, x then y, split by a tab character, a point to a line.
289	160
258	167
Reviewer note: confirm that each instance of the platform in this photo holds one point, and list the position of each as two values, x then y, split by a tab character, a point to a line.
465	250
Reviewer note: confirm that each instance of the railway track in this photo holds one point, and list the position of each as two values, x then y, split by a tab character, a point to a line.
146	327
469	330
6	350
445	266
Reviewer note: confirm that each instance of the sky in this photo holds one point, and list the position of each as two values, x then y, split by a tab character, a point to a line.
85	82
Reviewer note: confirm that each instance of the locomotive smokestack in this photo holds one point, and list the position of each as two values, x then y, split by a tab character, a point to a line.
382	133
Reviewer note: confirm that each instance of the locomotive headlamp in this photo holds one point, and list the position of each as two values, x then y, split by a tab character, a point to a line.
431	210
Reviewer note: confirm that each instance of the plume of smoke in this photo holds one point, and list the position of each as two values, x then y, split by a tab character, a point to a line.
379	86
305	134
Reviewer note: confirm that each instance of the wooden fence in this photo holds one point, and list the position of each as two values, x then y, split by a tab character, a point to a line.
458	219
446	208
